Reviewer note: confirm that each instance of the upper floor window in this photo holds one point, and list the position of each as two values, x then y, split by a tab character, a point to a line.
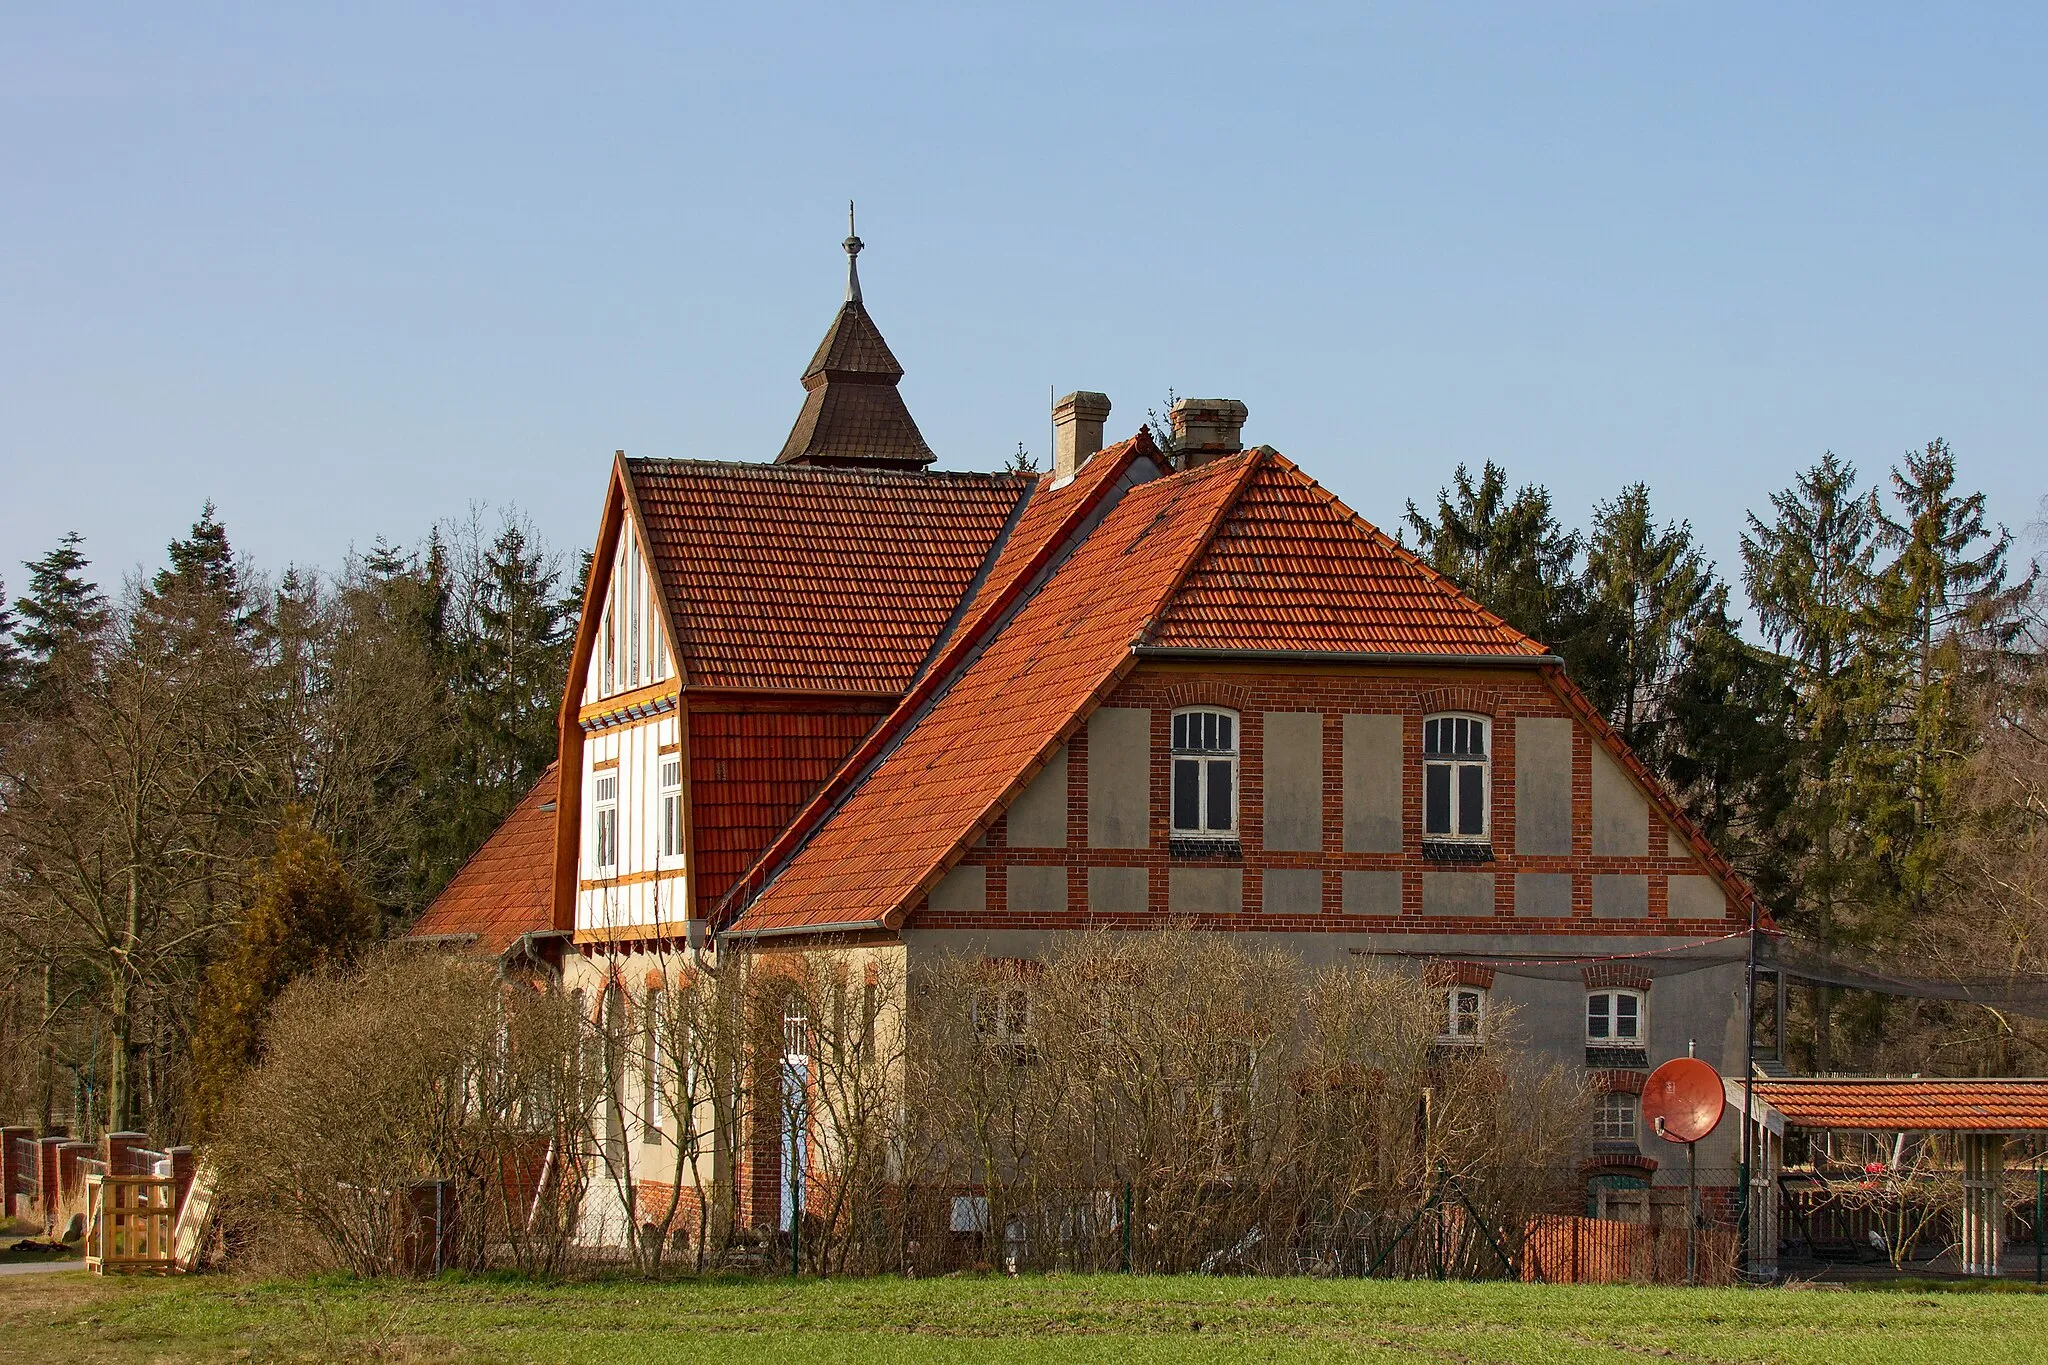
1454	777
1464	1015
671	806
1204	773
1615	1018
611	671
604	823
1002	1016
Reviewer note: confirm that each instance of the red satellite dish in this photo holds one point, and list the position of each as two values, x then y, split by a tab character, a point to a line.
1683	1100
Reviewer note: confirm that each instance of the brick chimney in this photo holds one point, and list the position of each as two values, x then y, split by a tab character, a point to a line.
1076	432
1206	429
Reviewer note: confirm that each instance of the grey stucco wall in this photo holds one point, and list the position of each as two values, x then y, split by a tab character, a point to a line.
1543	785
1038	818
1116	890
1294	780
1621	896
1292	891
1037	888
1697	897
965	889
1205	890
1544	895
1457	893
1621	817
1372	784
1372	893
1119	778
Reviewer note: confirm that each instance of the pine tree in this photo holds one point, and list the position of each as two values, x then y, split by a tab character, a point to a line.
12	665
1647	586
61	617
306	915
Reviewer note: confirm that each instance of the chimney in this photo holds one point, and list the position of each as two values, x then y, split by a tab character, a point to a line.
1076	432
1206	429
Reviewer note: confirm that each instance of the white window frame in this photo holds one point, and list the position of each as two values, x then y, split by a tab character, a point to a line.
604	822
1218	745
1002	1014
1454	756
671	807
1610	1016
655	1059
1617	1117
1463	1024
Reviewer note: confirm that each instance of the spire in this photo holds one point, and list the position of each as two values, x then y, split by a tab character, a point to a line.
852	417
853	245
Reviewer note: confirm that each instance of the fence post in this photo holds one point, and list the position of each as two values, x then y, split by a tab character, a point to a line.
1126	1267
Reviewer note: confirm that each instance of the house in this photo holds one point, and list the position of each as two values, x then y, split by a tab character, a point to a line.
845	700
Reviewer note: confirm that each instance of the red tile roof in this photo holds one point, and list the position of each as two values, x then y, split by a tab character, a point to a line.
986	736
1295	569
750	773
507	887
811	579
1891	1104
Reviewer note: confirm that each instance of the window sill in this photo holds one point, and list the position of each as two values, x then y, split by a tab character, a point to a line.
1182	848
1616	1147
1456	851
1616	1055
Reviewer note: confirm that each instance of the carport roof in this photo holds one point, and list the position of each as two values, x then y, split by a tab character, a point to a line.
1911	1104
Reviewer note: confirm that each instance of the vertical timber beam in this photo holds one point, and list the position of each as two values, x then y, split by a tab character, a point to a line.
1983	1202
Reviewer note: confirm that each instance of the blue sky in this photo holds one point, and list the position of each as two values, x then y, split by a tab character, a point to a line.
347	269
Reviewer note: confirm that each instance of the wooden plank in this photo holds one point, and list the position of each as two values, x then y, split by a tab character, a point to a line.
195	1219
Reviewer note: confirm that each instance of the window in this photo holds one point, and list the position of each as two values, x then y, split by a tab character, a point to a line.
658	644
1615	1119
1615	1018
1464	1014
656	1060
672	806
1204	774
604	823
633	618
1454	778
1002	1016
611	672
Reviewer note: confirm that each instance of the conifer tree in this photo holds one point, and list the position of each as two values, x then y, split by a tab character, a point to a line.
307	915
12	666
61	616
1650	584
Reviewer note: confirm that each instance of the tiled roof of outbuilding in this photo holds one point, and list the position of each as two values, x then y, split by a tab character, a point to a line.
984	738
1898	1104
812	579
506	889
1292	568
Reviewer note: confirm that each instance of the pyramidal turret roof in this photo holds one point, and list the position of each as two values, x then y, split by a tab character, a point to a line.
853	417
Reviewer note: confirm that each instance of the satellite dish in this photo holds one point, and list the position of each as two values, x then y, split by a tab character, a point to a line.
1683	1100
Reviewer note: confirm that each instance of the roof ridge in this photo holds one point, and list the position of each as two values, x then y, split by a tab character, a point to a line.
797	471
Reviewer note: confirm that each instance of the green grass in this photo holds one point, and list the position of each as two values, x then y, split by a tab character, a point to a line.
1123	1319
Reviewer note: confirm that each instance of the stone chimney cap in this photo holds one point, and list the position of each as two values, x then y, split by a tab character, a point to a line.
1084	404
1206	428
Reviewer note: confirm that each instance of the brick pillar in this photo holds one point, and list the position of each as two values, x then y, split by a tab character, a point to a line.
49	1168
121	1153
182	1166
14	1167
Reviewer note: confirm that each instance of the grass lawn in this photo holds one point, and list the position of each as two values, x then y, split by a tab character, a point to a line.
1126	1319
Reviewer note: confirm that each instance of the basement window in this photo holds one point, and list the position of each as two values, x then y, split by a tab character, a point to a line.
1455	778
1204	773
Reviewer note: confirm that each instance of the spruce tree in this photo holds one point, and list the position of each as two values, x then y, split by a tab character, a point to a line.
1646	585
61	617
12	665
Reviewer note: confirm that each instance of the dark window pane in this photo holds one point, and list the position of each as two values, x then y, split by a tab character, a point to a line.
1436	798
1180	732
1219	795
1624	1016
1430	731
1596	1016
1223	735
1471	799
1479	738
1461	742
1187	794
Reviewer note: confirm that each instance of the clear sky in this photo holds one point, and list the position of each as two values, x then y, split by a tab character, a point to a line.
346	269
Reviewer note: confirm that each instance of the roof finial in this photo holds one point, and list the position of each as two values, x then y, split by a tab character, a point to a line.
853	246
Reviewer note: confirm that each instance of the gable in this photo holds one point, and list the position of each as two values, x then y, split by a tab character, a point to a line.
630	647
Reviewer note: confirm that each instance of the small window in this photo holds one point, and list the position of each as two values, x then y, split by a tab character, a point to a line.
604	823
611	674
672	806
1002	1016
1615	1119
1615	1018
1464	1015
1455	781
796	1034
1204	774
656	1062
